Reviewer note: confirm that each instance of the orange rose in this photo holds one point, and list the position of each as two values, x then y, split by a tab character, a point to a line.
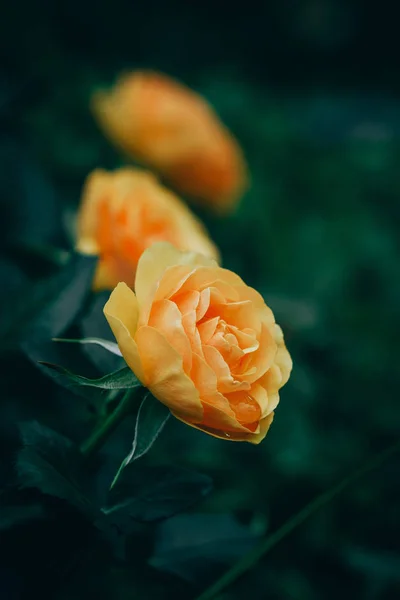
166	125
124	212
202	341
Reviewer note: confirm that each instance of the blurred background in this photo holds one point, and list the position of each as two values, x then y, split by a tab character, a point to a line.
310	89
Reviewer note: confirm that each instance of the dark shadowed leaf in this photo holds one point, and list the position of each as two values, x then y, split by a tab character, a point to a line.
47	308
197	547
64	297
154	493
151	418
51	463
123	379
40	260
41	352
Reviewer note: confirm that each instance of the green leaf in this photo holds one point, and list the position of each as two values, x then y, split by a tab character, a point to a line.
62	305
106	344
41	258
196	546
150	494
74	360
151	418
53	464
123	379
150	421
45	309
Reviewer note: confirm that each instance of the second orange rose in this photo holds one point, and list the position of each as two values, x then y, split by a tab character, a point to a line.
126	211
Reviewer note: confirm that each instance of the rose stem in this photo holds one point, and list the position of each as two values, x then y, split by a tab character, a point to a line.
250	559
104	430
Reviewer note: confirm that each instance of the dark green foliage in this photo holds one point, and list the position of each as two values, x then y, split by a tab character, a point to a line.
155	493
52	464
198	547
47	308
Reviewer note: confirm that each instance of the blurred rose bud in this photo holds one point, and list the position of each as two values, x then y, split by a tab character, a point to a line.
125	211
169	127
203	342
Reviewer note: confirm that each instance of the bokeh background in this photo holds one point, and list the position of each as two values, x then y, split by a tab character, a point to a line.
310	89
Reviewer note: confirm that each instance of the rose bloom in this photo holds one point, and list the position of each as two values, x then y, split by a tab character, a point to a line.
125	211
203	342
164	124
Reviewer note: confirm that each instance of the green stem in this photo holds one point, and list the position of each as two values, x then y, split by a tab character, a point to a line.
250	559
101	433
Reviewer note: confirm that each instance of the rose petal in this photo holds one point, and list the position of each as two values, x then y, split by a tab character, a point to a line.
227	291
247	410
151	266
103	275
189	325
166	317
204	303
260	395
283	358
225	382
218	413
264	426
123	305
207	329
247	342
93	192
260	360
175	277
170	282
227	345
121	312
237	436
204	378
272	379
216	417
273	400
241	314
205	276
217	300
187	302
221	343
165	377
231	339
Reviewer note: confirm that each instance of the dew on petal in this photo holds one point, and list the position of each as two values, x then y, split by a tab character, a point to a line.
246	409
